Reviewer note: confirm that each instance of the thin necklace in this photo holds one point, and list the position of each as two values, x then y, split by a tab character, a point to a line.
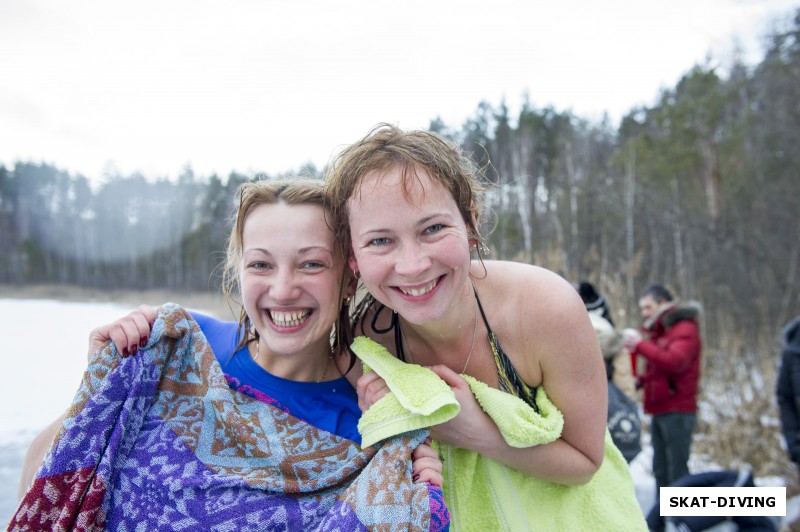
471	347
325	370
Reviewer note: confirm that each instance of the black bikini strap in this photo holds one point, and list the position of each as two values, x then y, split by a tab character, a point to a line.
393	325
373	325
398	333
483	314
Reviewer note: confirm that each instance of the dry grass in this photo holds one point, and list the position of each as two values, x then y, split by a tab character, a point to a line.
738	423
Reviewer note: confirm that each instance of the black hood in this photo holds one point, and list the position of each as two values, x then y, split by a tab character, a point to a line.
791	336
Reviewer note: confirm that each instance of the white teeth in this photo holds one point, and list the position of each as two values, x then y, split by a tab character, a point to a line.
289	319
416	292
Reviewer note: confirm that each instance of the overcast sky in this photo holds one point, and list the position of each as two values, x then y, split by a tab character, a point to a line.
263	85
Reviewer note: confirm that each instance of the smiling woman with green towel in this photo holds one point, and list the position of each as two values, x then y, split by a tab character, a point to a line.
408	204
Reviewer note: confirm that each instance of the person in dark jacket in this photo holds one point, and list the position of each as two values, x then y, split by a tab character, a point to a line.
670	379
624	421
788	389
618	365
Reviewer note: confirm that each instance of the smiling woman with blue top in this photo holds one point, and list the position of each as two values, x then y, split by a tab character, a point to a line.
285	448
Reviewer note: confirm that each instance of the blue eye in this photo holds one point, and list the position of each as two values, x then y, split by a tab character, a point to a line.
379	241
259	265
435	228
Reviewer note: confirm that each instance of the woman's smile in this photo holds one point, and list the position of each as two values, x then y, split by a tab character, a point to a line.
419	291
288	319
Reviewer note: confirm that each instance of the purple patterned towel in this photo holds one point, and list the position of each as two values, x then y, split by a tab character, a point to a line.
159	441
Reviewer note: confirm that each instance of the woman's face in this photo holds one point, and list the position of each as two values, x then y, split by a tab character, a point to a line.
290	277
412	253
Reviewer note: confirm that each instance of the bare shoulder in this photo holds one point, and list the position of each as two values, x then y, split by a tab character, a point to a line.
533	311
531	290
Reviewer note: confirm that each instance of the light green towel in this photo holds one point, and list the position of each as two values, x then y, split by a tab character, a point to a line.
419	397
481	493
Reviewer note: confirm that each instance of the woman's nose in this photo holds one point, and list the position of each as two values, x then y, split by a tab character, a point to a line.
285	286
412	260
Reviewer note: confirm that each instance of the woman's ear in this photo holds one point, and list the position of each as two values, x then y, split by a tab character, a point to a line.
473	218
351	286
473	238
353	265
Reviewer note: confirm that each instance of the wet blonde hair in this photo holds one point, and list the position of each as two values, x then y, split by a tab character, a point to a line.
298	191
386	147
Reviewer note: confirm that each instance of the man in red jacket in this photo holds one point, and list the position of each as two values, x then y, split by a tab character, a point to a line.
670	379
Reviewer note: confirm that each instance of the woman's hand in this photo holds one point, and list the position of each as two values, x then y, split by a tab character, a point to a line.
467	430
370	387
426	466
128	333
425	460
472	428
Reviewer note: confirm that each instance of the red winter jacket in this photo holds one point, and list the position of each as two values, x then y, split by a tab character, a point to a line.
672	374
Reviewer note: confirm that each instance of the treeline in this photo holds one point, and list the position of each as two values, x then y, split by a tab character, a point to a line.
699	192
129	233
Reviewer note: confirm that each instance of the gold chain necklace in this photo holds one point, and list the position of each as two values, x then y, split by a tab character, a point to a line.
324	371
471	347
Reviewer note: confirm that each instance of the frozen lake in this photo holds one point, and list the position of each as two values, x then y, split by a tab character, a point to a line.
44	347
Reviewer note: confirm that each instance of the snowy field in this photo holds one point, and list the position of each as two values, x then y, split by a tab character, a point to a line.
43	344
44	348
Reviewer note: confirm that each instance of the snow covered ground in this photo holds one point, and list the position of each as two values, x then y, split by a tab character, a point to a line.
43	345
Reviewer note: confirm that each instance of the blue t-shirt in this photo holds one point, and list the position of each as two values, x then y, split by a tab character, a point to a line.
331	406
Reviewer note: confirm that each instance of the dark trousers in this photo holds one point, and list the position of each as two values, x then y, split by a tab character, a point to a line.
671	436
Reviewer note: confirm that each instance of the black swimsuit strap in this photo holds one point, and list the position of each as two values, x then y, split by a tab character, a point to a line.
393	325
510	380
373	325
483	314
